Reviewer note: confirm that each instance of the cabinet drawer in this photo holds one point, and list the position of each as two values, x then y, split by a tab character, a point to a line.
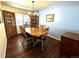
68	46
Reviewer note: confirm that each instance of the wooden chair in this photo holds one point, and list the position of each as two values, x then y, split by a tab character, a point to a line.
25	35
43	38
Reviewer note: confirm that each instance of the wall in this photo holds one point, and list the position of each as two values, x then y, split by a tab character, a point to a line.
66	18
3	39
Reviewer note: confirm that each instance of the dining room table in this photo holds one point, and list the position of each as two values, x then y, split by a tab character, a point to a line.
36	33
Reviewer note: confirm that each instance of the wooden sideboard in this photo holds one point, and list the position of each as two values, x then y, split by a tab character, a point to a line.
70	44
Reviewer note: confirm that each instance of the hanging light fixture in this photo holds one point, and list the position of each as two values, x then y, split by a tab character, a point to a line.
32	7
33	11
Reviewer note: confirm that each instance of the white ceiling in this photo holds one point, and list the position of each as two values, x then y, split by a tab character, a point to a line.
38	5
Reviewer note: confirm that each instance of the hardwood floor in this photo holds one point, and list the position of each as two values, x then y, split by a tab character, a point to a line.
15	49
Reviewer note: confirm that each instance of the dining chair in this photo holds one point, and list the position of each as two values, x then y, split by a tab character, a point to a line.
43	38
25	36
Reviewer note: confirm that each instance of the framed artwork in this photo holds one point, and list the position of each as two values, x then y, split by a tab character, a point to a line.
0	20
0	16
50	17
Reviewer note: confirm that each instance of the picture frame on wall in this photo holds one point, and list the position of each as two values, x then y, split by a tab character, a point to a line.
0	16
0	19
50	17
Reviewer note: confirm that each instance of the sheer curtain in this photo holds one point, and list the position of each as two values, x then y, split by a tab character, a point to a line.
21	19
26	20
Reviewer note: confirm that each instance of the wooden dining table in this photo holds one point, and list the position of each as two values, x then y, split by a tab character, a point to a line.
36	32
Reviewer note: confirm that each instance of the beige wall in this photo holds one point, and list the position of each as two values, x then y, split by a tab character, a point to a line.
3	39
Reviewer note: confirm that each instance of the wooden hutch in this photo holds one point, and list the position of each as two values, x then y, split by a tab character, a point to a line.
10	23
34	21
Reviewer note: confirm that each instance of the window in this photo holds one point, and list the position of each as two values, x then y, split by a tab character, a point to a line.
22	19
26	20
19	19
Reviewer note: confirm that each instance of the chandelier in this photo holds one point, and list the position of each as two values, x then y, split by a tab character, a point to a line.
33	11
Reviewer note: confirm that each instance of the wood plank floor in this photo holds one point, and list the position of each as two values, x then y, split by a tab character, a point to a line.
15	49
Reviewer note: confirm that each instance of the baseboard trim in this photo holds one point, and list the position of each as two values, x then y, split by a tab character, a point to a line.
54	37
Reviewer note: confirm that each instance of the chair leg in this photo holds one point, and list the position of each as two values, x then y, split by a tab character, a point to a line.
35	42
21	38
42	45
24	43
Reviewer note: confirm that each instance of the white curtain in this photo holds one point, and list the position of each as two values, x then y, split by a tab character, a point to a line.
21	19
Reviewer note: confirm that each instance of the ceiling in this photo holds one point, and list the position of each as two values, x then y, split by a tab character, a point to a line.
38	5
